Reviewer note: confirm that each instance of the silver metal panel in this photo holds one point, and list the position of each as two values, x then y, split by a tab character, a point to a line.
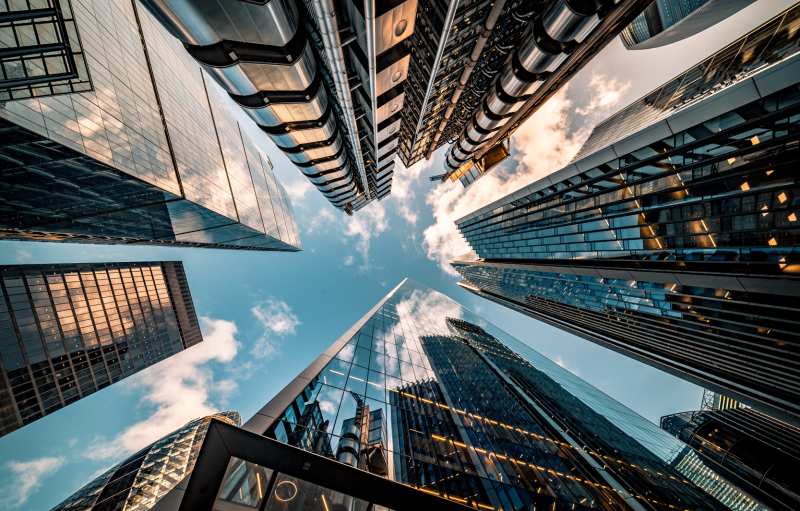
233	79
273	24
562	24
290	77
184	19
394	26
482	120
388	131
533	59
387	148
392	76
294	138
513	86
390	108
279	113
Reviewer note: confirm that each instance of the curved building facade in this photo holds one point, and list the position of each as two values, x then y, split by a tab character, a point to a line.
141	480
760	453
668	21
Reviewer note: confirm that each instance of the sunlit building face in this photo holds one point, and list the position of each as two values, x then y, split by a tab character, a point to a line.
477	417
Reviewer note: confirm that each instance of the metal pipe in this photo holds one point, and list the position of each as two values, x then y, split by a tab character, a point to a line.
326	18
486	30
369	18
448	25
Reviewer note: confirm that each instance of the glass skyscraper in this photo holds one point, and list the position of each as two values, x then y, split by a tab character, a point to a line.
115	135
141	480
424	393
667	21
69	330
672	237
760	453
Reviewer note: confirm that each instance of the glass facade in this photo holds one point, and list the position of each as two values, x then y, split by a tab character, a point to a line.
770	43
758	452
471	414
680	250
40	51
67	331
138	482
667	21
150	155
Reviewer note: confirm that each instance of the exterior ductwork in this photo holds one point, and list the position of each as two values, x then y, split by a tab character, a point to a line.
565	24
262	55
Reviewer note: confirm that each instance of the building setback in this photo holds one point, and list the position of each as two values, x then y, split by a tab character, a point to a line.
69	330
758	452
465	417
124	140
141	480
672	237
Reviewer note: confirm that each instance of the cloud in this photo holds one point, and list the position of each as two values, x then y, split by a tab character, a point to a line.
560	361
348	260
543	145
276	318
22	255
402	193
297	190
180	387
27	477
363	225
605	93
323	218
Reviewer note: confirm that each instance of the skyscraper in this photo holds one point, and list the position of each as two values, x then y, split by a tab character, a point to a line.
141	480
667	21
115	136
343	87
473	419
672	236
756	451
69	330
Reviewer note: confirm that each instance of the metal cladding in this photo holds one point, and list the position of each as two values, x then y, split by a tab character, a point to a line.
263	56
563	26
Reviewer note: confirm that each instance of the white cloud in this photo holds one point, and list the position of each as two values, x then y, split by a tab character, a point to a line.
605	93
560	361
22	255
276	318
363	225
297	190
402	193
543	145
27	477
323	218
180	387
348	260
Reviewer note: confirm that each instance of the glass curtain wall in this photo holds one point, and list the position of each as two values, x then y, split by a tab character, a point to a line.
476	416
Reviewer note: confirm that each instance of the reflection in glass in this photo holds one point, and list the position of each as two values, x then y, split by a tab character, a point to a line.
477	417
292	494
243	486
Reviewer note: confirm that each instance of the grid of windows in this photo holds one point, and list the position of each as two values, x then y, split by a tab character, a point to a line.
477	417
40	51
138	482
67	331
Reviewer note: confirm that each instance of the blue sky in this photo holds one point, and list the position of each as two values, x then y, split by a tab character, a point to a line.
268	315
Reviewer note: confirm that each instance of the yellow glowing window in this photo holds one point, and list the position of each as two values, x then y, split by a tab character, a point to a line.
745	187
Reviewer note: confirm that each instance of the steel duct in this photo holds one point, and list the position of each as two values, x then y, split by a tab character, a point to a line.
565	23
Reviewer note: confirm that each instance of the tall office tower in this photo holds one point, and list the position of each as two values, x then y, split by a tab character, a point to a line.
672	237
759	453
665	22
110	134
141	480
470	418
554	40
69	330
323	79
344	86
